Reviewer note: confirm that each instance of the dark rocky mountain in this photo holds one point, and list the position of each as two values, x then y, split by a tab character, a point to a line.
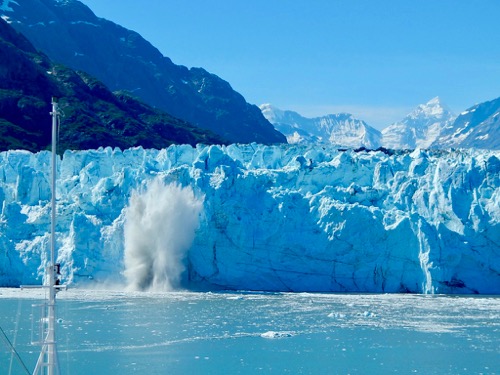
93	115
478	127
69	33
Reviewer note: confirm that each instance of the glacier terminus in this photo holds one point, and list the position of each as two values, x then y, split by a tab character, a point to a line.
254	217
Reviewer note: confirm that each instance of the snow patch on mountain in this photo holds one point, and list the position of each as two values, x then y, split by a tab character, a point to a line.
5	6
478	127
276	218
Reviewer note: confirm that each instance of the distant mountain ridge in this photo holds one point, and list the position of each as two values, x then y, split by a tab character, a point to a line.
341	129
429	125
70	33
93	116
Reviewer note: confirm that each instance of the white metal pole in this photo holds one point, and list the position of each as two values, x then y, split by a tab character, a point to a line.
51	335
48	355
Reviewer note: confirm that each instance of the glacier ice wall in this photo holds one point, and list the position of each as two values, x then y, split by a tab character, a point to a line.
275	218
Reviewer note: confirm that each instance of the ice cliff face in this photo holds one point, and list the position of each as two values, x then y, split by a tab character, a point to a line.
285	218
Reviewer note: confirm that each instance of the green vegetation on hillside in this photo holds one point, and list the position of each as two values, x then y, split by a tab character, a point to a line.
93	116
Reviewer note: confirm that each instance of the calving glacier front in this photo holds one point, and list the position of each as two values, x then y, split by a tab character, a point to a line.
276	218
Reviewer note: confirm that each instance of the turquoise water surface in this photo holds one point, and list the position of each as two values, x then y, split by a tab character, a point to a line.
108	332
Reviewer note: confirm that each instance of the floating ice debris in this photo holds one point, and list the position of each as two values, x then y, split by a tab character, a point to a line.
275	335
336	315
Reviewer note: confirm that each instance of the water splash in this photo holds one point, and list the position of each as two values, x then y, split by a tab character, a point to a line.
160	226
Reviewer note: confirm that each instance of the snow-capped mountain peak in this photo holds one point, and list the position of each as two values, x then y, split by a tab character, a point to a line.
341	129
433	109
271	113
420	128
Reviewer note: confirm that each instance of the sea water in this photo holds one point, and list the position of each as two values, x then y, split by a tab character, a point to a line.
114	332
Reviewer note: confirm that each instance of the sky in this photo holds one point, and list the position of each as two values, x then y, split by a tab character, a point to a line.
375	59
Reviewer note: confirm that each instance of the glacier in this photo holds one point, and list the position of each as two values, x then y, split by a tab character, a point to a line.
268	218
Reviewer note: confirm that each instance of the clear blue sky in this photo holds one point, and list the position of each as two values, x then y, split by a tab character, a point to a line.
375	59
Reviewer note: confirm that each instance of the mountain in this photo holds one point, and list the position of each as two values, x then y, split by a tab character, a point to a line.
477	127
93	116
421	128
340	129
430	125
70	33
296	128
253	217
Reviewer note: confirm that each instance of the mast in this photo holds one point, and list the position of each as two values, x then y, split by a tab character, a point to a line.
48	355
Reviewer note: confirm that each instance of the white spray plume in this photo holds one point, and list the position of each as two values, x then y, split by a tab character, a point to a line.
160	226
